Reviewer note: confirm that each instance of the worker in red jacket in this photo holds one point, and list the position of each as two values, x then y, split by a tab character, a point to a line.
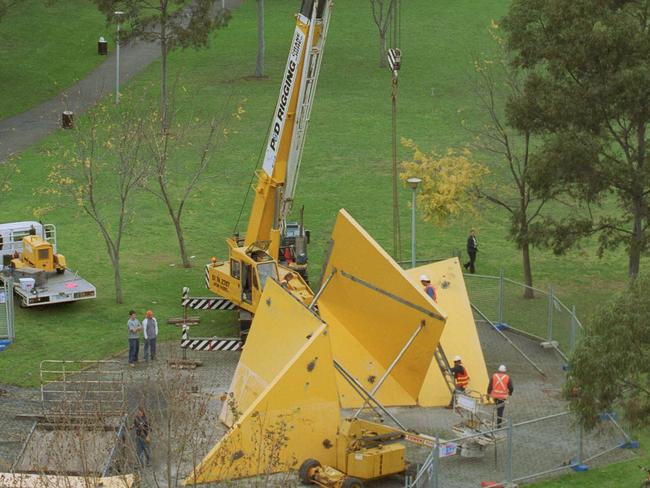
499	389
461	378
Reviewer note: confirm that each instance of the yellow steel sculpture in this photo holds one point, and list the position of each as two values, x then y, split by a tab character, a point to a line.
376	315
460	336
281	327
297	413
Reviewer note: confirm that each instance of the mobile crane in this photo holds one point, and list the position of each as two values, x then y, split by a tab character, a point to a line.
271	247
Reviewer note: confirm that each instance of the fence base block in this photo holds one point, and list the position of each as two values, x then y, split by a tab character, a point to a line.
629	445
580	467
549	344
501	326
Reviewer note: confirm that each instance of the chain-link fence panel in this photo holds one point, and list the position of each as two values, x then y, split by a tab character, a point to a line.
524	308
484	294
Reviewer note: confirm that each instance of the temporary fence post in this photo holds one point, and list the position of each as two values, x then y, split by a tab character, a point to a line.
435	461
549	314
574	329
9	305
501	296
579	446
509	453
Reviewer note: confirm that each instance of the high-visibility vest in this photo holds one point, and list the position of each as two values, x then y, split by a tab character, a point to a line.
462	379
500	382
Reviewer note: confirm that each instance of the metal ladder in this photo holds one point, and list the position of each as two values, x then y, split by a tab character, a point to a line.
311	70
443	363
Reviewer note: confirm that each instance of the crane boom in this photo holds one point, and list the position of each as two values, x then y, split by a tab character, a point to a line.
255	257
277	180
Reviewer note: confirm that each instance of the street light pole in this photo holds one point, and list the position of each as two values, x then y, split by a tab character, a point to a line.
413	183
118	15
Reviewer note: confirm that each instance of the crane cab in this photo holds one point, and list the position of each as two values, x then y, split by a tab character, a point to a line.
243	277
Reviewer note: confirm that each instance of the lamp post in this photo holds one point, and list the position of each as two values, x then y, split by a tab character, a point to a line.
413	183
118	16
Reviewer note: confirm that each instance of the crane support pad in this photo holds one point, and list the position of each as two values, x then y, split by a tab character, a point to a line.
373	308
295	417
460	336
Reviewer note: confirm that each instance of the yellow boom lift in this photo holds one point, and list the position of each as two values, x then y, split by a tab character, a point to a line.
271	247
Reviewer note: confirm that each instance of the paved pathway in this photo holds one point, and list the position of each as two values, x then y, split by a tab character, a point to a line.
19	132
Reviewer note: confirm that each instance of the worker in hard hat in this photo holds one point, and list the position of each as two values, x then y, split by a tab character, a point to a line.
499	389
428	287
461	378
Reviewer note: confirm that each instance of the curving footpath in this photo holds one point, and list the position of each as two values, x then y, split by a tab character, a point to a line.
21	131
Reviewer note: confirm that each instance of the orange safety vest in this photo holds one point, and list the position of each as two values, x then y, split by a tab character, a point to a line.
462	380
500	383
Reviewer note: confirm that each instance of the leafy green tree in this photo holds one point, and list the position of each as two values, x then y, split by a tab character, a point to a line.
587	91
170	23
495	139
610	367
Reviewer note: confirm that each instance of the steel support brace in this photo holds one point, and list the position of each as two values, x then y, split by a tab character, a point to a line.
392	296
390	368
530	361
322	289
365	393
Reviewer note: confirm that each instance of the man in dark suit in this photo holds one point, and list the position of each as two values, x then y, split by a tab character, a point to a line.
472	249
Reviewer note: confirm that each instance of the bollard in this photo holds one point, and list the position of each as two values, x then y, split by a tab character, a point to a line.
102	46
67	119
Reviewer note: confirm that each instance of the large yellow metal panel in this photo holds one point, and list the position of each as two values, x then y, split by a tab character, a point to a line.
296	417
279	329
373	308
460	336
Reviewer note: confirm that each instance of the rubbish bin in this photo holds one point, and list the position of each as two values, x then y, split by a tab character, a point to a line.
67	119
102	46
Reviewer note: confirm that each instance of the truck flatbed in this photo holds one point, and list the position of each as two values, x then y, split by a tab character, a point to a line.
55	288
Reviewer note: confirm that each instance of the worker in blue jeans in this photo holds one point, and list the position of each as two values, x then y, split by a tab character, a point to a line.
134	338
142	432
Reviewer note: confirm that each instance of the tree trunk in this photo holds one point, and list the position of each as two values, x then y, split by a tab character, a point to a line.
528	272
181	242
259	65
382	49
119	298
636	242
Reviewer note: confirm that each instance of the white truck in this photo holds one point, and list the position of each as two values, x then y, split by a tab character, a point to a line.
33	284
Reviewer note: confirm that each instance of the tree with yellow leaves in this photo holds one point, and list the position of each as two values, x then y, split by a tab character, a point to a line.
449	182
101	173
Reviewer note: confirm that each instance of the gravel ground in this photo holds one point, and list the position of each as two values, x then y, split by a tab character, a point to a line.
537	447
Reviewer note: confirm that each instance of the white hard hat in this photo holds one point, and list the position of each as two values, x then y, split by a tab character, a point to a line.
457	358
502	368
424	278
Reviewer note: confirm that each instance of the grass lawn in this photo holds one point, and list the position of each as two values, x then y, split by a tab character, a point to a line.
45	49
346	163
